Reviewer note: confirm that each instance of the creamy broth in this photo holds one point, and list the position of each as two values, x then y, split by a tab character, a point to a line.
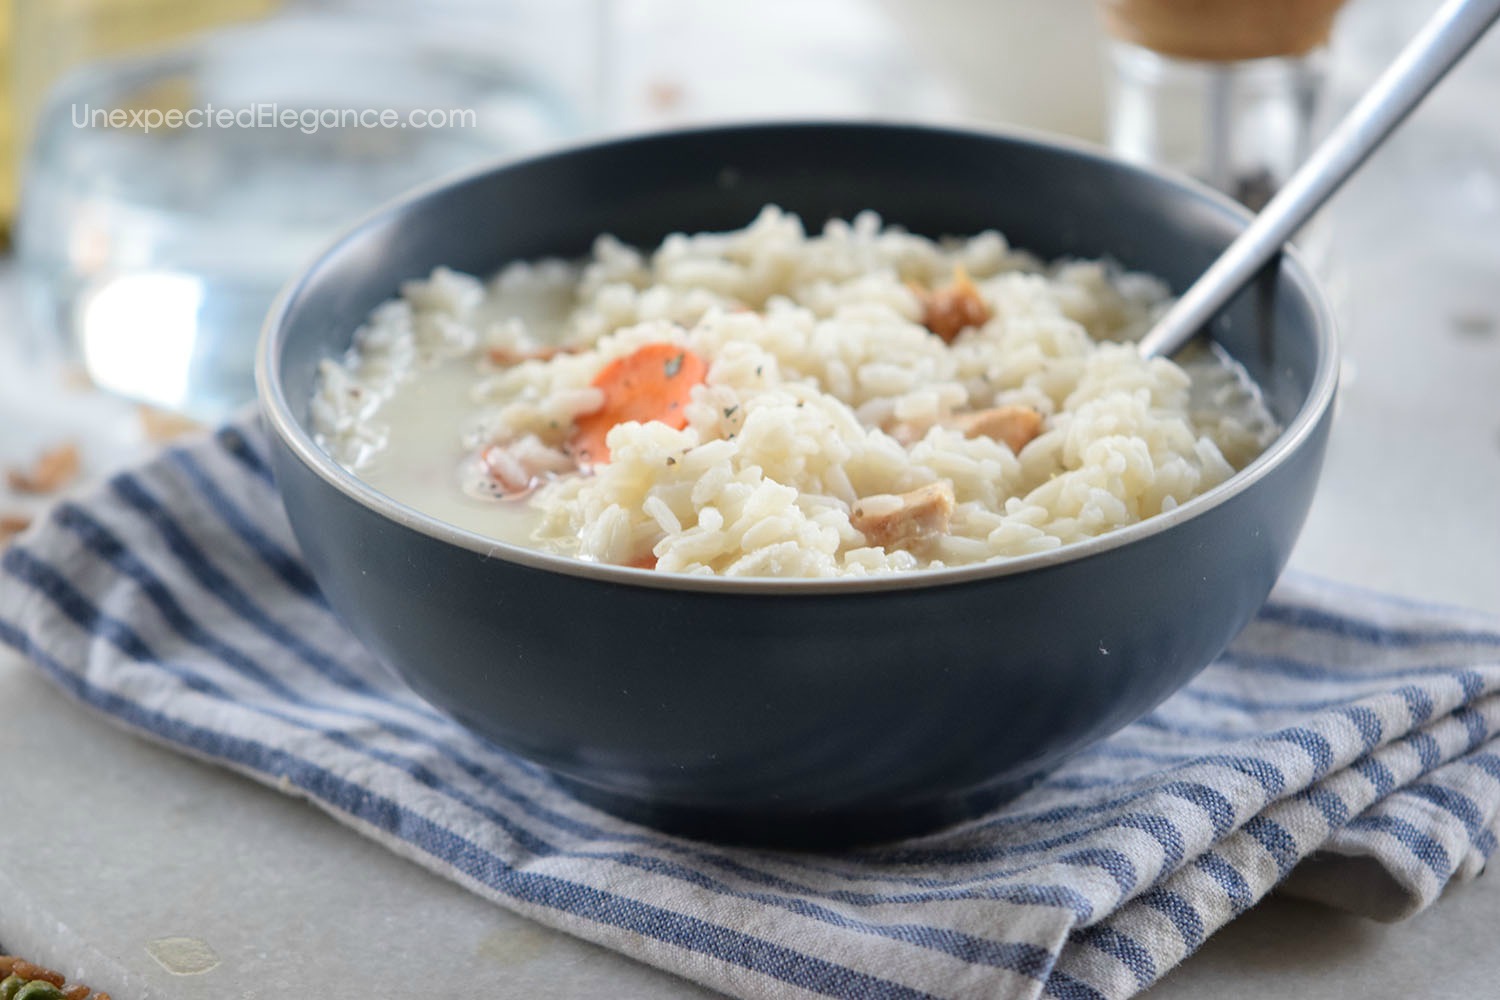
419	465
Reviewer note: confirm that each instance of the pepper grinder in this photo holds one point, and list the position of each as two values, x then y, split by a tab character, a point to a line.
1225	90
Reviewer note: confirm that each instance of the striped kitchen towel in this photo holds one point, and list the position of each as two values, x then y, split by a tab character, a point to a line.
1342	748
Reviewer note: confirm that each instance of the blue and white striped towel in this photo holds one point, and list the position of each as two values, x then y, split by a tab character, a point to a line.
1338	730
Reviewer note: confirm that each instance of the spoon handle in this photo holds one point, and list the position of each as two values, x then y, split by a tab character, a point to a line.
1440	44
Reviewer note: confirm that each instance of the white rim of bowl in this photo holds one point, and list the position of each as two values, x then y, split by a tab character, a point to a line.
278	415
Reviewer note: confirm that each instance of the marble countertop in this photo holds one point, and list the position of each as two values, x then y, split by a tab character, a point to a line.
153	875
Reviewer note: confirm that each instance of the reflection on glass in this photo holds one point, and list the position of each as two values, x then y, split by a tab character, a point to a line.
138	333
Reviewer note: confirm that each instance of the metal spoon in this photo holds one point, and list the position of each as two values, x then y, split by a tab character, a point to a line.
1429	56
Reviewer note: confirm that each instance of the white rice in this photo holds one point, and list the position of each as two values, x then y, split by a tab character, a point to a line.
815	344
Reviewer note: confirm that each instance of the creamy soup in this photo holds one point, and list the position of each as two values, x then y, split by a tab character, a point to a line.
772	403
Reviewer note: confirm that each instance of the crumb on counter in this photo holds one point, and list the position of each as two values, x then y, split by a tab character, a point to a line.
76	378
664	96
163	426
52	471
12	525
23	980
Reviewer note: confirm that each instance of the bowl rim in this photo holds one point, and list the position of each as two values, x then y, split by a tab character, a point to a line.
277	413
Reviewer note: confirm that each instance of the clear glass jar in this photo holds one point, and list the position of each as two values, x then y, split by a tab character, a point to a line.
170	190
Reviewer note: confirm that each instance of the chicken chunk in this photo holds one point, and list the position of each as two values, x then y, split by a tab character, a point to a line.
1013	425
896	520
511	470
1016	426
955	307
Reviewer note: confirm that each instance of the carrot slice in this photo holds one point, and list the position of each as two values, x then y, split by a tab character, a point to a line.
654	383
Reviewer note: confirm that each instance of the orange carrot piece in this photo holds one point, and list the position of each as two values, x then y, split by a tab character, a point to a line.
654	383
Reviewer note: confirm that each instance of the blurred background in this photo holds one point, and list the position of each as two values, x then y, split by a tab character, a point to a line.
165	165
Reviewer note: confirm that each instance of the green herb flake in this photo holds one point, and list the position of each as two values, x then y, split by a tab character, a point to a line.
729	411
673	365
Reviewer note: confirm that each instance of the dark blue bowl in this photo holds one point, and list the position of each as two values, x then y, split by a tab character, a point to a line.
801	712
